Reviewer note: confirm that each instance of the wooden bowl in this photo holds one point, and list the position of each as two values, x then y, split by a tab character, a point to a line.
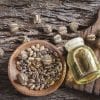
12	71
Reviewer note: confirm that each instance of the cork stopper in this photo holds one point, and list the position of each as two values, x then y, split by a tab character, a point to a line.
73	43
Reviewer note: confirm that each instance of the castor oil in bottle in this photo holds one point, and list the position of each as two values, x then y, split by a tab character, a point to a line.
82	61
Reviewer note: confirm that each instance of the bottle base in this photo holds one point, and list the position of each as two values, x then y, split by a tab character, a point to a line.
89	78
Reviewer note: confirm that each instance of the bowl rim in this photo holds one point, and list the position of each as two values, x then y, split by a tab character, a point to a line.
24	90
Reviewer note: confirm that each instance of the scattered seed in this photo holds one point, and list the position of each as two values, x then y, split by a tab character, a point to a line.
58	39
47	28
74	26
91	37
23	39
37	19
62	30
14	27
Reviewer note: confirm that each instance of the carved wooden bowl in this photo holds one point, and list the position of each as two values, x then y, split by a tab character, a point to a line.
12	70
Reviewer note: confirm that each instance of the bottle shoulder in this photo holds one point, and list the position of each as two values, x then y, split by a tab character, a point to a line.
84	47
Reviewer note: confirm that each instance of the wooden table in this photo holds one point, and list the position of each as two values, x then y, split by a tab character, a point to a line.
54	12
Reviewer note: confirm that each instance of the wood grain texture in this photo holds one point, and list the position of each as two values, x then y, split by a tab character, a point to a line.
54	12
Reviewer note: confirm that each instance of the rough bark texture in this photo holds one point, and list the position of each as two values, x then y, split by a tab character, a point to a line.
54	12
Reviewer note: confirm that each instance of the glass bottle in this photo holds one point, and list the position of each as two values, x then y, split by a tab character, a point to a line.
82	61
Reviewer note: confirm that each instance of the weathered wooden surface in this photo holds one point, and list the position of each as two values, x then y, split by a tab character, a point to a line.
54	12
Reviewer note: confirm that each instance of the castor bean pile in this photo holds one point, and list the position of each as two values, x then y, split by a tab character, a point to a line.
39	67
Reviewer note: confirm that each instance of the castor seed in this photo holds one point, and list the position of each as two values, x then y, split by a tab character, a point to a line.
31	59
74	26
52	82
14	27
47	59
23	39
22	78
32	81
29	49
42	87
91	37
37	46
37	19
37	87
24	55
33	47
62	30
57	39
47	28
32	87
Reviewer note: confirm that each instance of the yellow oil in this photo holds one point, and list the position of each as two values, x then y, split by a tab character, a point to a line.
83	64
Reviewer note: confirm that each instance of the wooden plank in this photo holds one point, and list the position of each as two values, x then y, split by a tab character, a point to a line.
55	13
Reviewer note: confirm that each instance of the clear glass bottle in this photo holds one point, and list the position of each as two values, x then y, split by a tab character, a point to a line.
82	61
